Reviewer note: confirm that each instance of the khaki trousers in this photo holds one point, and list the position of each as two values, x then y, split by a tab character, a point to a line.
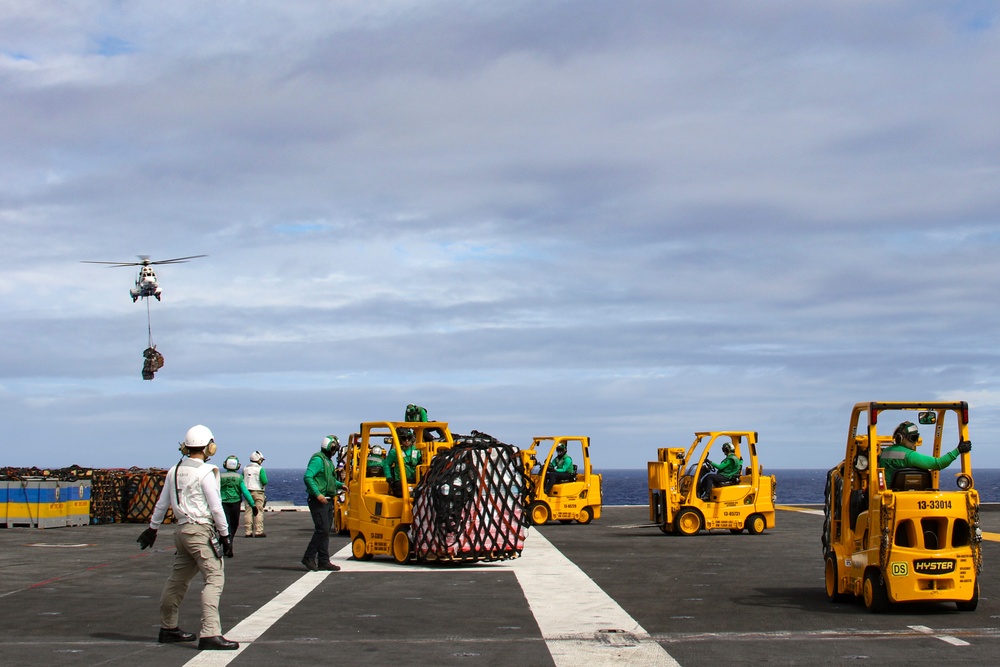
254	525
194	554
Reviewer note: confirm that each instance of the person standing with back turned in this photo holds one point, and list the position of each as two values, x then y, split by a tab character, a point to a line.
191	490
255	477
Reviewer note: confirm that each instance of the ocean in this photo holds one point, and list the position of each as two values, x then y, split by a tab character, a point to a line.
629	487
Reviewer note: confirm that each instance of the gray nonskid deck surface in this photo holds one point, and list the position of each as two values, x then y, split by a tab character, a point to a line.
88	596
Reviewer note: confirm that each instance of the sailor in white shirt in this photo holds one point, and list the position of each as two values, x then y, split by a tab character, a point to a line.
191	490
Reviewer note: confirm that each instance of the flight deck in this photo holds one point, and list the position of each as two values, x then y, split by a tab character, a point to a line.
614	592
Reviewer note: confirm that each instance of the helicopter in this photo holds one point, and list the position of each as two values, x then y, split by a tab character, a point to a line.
145	284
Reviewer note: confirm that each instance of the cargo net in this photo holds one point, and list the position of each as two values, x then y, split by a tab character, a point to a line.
470	504
126	496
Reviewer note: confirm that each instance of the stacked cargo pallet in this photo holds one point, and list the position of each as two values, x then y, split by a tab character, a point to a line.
74	496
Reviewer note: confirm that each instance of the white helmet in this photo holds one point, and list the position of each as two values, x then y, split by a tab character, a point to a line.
256	457
330	443
198	437
232	463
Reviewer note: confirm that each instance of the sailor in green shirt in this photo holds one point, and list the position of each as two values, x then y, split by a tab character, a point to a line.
321	484
902	453
560	469
233	490
412	457
726	472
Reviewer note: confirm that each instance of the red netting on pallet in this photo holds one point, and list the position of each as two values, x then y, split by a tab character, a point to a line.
470	504
126	496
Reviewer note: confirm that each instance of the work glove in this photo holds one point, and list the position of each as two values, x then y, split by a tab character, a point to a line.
147	538
964	447
227	545
255	510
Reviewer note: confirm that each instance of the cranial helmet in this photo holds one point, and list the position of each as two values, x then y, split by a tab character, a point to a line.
330	443
561	447
256	457
906	434
199	437
232	463
727	448
406	434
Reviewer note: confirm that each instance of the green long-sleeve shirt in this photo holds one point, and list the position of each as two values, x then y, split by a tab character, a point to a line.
561	464
319	478
411	459
729	467
232	488
895	457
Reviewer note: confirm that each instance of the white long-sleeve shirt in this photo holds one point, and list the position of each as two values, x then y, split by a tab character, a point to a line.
199	500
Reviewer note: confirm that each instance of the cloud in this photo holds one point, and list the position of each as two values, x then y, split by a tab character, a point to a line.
630	221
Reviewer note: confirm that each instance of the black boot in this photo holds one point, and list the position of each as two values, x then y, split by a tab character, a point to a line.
174	635
217	643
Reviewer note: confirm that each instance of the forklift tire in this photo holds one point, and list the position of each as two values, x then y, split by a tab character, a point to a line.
539	513
688	522
875	596
756	524
970	605
339	526
586	516
401	547
832	578
358	548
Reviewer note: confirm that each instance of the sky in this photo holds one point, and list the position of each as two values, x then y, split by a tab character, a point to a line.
625	220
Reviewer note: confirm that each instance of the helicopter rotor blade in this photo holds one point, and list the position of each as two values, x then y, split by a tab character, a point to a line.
113	264
177	260
146	262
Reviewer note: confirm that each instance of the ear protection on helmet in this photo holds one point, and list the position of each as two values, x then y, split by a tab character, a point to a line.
905	432
727	448
210	450
199	438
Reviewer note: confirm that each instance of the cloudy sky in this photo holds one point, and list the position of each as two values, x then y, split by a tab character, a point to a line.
628	220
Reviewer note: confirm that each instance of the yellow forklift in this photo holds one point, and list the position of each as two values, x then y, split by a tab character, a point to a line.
745	502
465	503
572	496
898	536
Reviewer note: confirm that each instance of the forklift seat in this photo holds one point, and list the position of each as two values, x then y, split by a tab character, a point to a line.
911	479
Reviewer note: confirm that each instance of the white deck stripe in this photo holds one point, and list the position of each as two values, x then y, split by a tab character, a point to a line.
948	639
580	623
256	624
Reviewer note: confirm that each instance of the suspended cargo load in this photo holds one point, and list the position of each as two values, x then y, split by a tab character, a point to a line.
153	362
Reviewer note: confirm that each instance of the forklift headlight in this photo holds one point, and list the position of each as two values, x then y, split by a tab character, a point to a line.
861	463
964	482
